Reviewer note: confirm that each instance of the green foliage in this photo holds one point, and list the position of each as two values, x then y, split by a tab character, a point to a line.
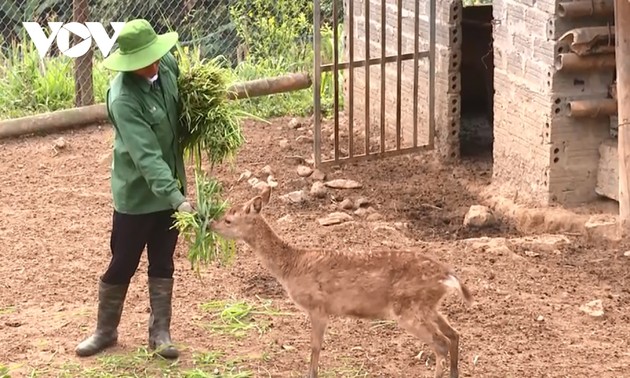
29	85
472	3
274	29
276	35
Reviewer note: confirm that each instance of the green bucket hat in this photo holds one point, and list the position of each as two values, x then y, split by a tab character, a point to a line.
139	46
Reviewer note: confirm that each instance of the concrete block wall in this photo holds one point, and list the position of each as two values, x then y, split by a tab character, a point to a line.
447	77
541	156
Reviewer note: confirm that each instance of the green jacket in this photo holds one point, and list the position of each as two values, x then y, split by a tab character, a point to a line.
147	167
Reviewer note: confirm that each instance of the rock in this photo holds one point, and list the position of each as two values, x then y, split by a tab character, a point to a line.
601	226
361	202
374	217
284	219
479	216
304	139
266	171
253	181
540	318
304	171
318	190
361	212
318	175
244	176
106	159
296	160
594	308
346	204
343	184
531	254
294	123
59	143
543	243
627	253
271	181
334	218
294	197
401	225
284	144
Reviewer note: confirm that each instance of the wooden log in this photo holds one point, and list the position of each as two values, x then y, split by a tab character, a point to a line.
572	62
608	170
622	46
86	115
604	107
588	8
83	83
274	85
590	40
54	121
612	91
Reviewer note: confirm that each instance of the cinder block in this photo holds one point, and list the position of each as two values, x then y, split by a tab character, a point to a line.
582	84
586	133
538	75
547	6
523	43
545	50
608	170
557	26
537	21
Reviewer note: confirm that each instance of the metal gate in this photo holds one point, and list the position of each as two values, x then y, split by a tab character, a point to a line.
336	66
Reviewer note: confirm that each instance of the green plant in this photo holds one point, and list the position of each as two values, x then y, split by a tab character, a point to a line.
30	85
277	34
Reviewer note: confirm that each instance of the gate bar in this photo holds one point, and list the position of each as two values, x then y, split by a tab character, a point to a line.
399	76
336	77
335	66
367	77
383	72
317	81
416	38
432	27
351	82
388	59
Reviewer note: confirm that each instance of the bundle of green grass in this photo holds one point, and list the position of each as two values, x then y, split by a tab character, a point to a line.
210	128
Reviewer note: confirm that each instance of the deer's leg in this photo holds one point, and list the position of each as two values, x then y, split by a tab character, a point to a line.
453	337
319	322
425	329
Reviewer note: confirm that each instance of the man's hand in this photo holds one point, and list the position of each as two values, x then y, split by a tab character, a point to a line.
185	207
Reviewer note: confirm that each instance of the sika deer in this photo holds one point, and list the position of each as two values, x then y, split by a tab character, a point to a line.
378	284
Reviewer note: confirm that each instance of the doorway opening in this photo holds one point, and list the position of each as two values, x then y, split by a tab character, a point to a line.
477	83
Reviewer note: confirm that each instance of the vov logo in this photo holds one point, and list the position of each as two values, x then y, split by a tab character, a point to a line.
62	34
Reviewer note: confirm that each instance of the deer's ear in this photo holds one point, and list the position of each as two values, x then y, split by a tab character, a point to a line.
256	204
266	193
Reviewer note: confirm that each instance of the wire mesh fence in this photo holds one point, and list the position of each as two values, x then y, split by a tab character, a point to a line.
255	38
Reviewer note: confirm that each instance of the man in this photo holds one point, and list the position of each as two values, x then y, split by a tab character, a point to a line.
148	182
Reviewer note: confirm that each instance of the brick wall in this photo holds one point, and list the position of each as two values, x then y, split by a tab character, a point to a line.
447	78
540	154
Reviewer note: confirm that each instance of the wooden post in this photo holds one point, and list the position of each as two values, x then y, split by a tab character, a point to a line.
622	57
83	83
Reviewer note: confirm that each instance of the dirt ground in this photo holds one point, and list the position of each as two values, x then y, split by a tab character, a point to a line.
54	230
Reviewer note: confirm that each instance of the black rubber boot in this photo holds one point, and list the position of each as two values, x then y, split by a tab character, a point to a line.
160	294
110	305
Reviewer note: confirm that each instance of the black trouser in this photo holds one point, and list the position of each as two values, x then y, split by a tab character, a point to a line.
130	234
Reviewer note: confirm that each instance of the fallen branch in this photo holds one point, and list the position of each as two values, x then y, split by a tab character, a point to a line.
604	107
89	115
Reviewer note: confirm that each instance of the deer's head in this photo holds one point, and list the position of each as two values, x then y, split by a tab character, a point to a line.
240	221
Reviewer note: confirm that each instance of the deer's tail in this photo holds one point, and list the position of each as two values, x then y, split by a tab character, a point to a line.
454	282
